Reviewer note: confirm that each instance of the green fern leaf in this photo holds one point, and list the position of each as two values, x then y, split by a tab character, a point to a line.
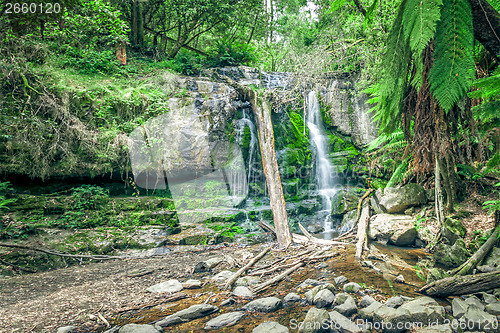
453	70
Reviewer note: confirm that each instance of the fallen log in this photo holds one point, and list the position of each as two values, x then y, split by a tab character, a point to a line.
362	228
277	278
242	270
462	285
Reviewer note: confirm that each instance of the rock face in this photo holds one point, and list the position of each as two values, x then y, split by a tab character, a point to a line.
170	286
267	304
136	328
395	229
183	316
343	201
224	320
317	320
270	327
396	200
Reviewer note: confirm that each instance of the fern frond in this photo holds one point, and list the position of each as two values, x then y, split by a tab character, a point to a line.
386	138
399	174
453	70
495	4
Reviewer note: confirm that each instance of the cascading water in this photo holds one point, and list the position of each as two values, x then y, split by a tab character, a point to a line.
240	130
324	171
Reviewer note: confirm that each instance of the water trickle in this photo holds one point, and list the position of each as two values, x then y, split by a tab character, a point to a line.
325	177
240	130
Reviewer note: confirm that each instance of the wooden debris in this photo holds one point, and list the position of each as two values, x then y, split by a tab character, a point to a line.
462	285
362	229
252	262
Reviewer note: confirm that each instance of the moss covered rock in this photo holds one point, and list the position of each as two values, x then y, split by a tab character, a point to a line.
396	200
451	256
344	200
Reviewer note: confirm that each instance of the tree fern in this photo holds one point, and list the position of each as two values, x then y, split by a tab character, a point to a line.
400	173
453	70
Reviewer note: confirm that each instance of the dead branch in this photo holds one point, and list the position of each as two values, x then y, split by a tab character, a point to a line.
171	298
358	214
362	228
252	262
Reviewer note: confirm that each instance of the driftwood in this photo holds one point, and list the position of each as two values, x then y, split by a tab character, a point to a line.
462	285
242	270
362	228
260	287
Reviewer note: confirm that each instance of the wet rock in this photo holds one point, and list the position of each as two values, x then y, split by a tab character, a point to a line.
311	282
394	302
340	280
292	297
136	328
459	307
324	298
316	320
351	287
170	286
348	221
222	277
312	293
348	307
340	323
191	284
66	329
247	281
224	320
451	256
267	304
183	316
396	200
366	301
270	327
242	292
399	279
314	228
227	302
395	229
493	308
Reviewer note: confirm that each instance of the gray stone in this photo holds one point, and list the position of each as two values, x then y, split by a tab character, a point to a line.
224	320
341	298
474	301
348	307
113	330
211	263
451	256
366	301
292	297
489	298
396	200
227	302
351	287
312	293
311	282
476	319
493	308
347	221
399	279
170	286
324	298
191	284
395	229
322	265
183	316
369	312
270	327
247	281
316	320
493	258
487	269
267	304
342	324
66	329
459	307
424	310
136	328
452	230
394	302
314	228
369	264
242	292
340	280
222	277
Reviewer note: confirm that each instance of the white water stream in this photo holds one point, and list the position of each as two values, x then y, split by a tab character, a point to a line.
324	170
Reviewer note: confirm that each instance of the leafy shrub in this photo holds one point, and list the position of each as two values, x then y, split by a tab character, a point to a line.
91	61
227	230
87	196
231	54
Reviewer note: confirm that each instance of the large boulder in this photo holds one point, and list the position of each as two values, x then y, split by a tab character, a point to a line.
452	230
451	256
270	327
344	200
266	304
183	316
395	229
396	200
224	320
317	320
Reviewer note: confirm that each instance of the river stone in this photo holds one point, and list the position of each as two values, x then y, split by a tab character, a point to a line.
348	307
351	287
292	297
242	292
136	328
270	327
316	320
267	304
487	269
342	323
222	277
478	319
489	298
183	316
394	302
459	307
227	302
493	259
66	329
396	200
341	298
474	301
312	293
424	310
366	301
493	308
395	229
247	281
170	286
368	312
224	320
340	280
451	256
191	284
311	282
324	298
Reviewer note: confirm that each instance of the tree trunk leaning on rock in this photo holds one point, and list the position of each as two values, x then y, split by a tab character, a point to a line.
364	220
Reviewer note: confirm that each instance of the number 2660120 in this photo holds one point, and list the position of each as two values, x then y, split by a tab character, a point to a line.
32	8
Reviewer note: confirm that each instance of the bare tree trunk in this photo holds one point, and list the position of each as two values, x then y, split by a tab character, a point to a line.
362	229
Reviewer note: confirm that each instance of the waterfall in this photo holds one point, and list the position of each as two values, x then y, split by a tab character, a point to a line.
240	130
324	171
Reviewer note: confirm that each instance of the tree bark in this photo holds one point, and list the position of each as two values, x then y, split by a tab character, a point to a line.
362	229
462	285
486	22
